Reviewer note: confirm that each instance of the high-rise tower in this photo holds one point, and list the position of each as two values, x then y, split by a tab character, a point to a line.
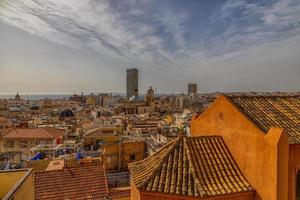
132	82
192	89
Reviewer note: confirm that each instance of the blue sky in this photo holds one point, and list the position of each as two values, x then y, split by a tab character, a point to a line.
73	45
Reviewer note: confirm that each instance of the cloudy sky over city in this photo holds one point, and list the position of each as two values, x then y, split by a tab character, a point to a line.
73	45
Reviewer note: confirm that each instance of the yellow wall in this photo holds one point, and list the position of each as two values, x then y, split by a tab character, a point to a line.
26	190
39	165
111	156
17	147
111	153
11	180
129	148
263	158
90	100
169	119
105	138
8	180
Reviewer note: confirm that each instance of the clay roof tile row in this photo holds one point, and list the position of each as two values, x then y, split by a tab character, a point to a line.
191	166
273	111
31	133
83	182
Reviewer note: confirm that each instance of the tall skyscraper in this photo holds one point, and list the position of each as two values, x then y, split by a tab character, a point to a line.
132	82
192	89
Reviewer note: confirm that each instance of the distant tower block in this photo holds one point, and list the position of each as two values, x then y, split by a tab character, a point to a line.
192	89
150	96
132	82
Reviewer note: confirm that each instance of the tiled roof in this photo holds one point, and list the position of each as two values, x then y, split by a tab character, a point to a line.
190	166
115	193
273	111
56	133
83	182
4	131
4	120
31	133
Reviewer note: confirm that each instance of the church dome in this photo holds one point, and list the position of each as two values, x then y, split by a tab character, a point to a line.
66	113
150	92
17	96
150	96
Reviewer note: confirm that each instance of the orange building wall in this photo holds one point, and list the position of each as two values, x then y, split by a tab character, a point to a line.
263	158
294	166
135	194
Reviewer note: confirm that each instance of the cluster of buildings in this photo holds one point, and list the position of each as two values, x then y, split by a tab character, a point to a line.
100	146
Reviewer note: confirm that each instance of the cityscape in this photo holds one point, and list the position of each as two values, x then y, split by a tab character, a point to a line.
149	100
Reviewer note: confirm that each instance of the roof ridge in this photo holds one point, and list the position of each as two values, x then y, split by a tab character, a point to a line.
92	131
47	132
70	168
166	156
263	96
169	148
193	170
6	132
154	154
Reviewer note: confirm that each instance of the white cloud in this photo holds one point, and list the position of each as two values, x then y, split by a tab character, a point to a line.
93	24
249	24
140	33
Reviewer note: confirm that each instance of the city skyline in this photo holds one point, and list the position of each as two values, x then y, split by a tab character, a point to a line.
64	48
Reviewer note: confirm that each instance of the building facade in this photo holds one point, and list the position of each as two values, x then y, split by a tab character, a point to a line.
90	100
23	140
132	82
262	134
190	168
192	88
117	156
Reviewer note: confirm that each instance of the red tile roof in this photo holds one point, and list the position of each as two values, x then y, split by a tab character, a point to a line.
56	133
4	131
31	133
191	166
4	120
83	182
272	111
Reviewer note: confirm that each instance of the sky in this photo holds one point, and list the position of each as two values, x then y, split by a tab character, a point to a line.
75	46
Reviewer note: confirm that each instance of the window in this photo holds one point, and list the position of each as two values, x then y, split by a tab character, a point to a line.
298	186
132	157
23	144
221	116
9	144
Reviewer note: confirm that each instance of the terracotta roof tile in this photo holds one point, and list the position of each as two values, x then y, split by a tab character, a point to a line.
4	120
115	193
190	166
31	133
83	182
56	133
273	111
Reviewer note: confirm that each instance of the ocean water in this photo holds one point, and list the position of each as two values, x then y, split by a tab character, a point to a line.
61	96
50	96
36	96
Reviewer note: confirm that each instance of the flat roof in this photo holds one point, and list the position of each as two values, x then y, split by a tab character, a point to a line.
12	182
